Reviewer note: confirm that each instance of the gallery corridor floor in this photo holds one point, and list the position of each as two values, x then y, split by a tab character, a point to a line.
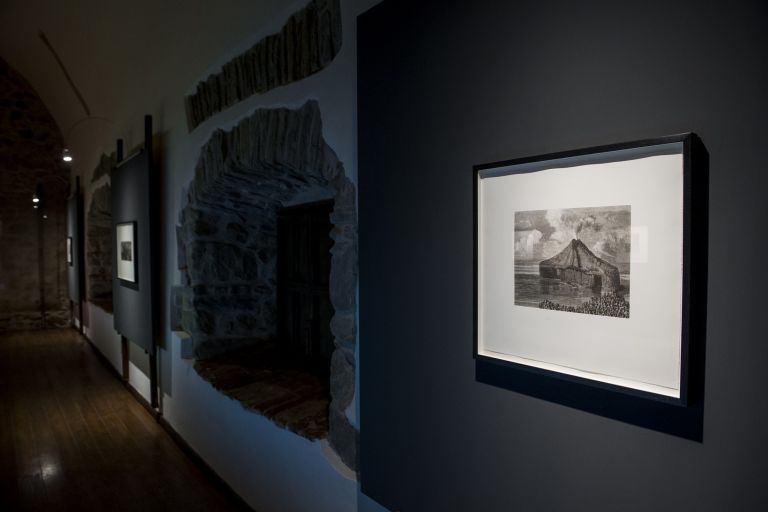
73	438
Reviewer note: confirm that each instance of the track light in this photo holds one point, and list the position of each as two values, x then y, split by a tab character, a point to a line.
66	153
35	199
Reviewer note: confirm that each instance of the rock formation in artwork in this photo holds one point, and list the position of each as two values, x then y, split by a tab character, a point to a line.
577	265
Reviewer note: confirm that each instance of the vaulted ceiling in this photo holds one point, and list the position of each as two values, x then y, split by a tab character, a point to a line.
122	55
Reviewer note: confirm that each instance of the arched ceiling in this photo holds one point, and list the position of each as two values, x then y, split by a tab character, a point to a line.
122	55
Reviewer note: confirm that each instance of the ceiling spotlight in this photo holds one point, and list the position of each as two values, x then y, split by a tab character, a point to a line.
35	199
45	216
66	155
35	206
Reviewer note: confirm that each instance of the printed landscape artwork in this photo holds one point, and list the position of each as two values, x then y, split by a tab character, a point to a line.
575	260
126	251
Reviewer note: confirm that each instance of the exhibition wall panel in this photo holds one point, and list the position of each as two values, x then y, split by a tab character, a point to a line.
74	246
134	285
464	84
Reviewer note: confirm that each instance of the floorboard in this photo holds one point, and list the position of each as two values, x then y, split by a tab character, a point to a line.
73	438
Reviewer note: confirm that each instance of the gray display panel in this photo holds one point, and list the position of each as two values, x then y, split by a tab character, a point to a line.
134	299
73	256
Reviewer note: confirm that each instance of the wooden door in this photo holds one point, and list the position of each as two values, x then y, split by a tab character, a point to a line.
303	271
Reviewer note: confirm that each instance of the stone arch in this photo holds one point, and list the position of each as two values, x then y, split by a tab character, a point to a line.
227	243
99	248
33	267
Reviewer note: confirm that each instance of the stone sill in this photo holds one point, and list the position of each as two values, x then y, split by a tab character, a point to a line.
105	305
185	344
280	387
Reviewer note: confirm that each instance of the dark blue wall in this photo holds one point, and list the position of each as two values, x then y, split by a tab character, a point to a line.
446	85
75	278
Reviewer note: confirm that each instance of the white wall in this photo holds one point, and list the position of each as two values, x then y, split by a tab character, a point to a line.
271	468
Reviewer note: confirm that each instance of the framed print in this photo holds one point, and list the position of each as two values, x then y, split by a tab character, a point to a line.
582	266
125	237
70	257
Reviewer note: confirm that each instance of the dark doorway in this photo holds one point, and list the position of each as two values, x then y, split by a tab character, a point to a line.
304	307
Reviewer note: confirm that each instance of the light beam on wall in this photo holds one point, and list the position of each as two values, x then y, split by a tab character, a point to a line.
66	155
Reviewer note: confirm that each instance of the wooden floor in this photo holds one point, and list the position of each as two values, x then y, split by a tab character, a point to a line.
73	438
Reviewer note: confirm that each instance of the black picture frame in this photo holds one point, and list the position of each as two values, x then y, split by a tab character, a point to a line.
662	411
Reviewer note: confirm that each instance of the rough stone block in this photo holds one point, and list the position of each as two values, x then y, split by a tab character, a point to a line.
181	250
343	437
204	227
343	326
346	195
177	305
343	277
342	378
106	164
189	323
187	345
307	43
237	232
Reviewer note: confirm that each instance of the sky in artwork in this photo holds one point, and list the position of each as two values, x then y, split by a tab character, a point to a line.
541	234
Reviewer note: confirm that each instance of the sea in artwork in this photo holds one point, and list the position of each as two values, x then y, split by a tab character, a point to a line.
575	260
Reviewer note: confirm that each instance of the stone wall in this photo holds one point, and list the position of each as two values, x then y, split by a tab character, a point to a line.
227	243
106	164
98	248
98	236
308	42
33	289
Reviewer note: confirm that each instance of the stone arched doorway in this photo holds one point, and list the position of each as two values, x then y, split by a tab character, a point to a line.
99	248
227	246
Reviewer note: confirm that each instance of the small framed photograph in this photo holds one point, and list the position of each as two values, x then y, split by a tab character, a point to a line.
70	255
582	266
125	237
